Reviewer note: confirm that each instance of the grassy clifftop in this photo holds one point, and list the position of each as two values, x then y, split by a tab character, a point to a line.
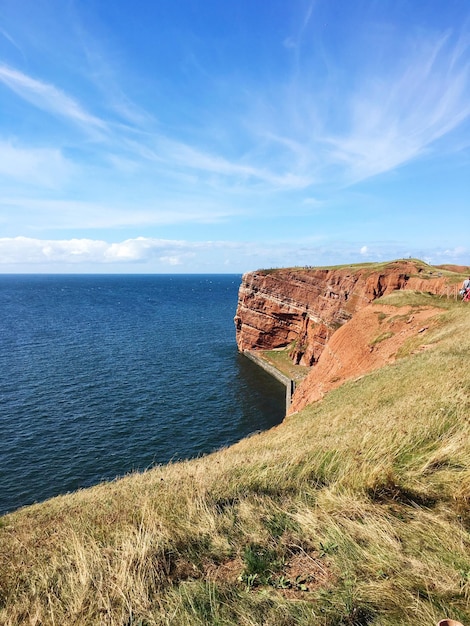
354	511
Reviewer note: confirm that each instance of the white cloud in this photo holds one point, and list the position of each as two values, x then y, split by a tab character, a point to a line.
143	248
27	250
23	250
458	252
171	260
152	254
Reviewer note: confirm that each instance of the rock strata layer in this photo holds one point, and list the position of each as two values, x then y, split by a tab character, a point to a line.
303	307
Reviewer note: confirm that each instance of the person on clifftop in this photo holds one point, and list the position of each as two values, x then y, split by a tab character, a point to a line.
465	291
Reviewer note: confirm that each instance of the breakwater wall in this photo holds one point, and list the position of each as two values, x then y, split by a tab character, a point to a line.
271	369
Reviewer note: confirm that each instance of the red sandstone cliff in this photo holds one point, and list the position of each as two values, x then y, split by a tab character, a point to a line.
371	339
303	307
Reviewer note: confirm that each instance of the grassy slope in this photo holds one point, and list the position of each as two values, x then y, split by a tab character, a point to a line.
354	511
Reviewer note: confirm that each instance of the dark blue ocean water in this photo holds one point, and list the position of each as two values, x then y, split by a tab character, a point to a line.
104	375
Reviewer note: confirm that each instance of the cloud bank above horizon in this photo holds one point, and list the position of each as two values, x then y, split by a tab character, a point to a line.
170	256
205	137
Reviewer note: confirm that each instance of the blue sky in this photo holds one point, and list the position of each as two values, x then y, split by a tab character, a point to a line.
216	136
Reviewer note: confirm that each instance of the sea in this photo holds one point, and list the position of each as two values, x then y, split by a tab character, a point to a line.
104	375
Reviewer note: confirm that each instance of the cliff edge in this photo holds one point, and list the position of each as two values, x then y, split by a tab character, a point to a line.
303	307
309	309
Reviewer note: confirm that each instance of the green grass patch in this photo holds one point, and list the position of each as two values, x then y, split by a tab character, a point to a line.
381	337
282	360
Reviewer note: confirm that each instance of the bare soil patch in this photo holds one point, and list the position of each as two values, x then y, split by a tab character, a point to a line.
370	340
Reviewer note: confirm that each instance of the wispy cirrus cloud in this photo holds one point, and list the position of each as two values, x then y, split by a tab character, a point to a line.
395	116
388	117
342	120
136	140
39	214
193	158
12	41
306	132
49	98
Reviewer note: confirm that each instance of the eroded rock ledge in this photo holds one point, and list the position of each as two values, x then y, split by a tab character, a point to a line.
303	307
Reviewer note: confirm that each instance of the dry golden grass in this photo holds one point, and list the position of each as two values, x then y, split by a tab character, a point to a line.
354	511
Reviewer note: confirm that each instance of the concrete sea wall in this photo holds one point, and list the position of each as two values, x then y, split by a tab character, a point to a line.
285	380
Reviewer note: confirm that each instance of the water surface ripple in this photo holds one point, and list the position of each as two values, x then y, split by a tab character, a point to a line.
103	375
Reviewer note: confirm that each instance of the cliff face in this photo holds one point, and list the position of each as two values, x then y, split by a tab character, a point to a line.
304	307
